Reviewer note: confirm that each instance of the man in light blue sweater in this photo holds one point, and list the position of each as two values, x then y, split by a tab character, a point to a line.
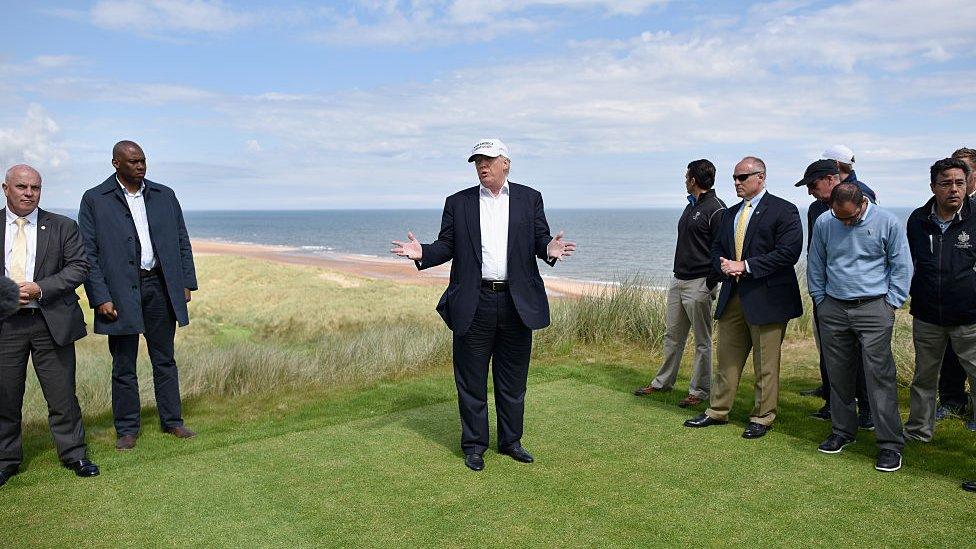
858	272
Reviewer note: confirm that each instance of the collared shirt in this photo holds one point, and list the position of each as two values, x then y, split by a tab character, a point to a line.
753	202
30	230
137	207
494	233
867	259
944	225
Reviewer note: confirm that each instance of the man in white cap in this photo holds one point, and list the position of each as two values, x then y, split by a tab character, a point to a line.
843	159
493	232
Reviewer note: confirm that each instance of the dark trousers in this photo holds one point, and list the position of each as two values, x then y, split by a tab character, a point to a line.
160	324
952	381
497	334
860	390
869	323
26	335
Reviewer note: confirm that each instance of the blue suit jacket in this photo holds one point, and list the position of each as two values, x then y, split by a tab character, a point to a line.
772	246
460	240
113	251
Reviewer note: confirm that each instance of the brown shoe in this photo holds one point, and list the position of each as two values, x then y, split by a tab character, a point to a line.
690	400
126	442
181	432
649	390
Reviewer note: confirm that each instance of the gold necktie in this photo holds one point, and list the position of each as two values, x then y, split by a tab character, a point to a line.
18	253
740	229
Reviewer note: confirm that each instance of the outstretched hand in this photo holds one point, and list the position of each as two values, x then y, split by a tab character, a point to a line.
559	248
410	249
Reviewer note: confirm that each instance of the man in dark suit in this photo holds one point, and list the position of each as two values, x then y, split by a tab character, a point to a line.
44	254
142	274
493	232
756	248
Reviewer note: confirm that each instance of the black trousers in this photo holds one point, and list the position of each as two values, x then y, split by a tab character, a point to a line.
160	324
952	381
24	335
860	390
498	335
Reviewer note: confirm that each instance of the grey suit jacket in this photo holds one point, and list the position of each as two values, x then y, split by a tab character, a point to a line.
59	268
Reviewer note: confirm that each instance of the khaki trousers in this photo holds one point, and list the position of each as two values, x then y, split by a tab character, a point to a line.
930	344
689	308
736	338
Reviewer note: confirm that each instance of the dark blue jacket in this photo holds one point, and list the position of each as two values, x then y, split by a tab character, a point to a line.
773	243
944	283
113	250
460	240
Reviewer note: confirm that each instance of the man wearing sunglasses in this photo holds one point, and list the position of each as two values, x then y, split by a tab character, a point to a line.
820	179
943	288
758	243
858	272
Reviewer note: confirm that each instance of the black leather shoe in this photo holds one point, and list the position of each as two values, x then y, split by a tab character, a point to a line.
474	462
6	475
823	414
888	461
834	444
703	420
815	392
518	453
756	430
83	468
969	486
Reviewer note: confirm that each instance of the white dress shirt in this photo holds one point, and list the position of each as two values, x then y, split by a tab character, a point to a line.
30	230
494	233
137	207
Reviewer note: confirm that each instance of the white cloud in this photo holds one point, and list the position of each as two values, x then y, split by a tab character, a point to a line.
34	141
159	16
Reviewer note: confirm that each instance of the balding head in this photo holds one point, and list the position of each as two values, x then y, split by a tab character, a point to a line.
123	146
21	171
749	177
22	187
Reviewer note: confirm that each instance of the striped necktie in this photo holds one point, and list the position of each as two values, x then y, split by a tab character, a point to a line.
740	229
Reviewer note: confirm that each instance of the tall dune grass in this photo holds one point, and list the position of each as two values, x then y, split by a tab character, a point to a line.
260	327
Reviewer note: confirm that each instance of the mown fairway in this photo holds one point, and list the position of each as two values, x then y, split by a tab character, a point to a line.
371	458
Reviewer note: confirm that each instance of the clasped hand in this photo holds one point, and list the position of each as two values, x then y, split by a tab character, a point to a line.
732	268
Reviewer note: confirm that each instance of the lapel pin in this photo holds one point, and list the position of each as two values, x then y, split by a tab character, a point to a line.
43	227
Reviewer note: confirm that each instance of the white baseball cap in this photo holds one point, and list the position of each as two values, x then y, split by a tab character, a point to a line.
490	148
839	153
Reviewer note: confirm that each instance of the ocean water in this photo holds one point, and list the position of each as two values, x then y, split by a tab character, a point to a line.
613	245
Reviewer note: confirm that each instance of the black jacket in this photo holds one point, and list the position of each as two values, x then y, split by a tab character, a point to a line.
59	268
113	250
773	243
697	228
818	207
460	241
944	284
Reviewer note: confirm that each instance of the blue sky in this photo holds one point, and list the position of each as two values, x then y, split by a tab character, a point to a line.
375	103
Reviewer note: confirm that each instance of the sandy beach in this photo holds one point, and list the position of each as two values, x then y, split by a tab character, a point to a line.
391	268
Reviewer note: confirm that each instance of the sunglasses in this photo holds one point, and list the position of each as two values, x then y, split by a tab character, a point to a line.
741	177
857	213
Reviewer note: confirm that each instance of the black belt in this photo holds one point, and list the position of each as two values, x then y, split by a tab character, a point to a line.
151	272
495	285
857	301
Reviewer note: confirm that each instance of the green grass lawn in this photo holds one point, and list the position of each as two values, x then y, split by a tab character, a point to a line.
381	466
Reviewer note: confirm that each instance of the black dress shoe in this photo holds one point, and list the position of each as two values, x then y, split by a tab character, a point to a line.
756	430
815	392
83	468
888	460
6	474
834	444
474	462
703	420
969	486
823	414
518	453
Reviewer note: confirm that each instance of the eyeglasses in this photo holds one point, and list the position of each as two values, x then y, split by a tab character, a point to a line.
741	177
857	214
